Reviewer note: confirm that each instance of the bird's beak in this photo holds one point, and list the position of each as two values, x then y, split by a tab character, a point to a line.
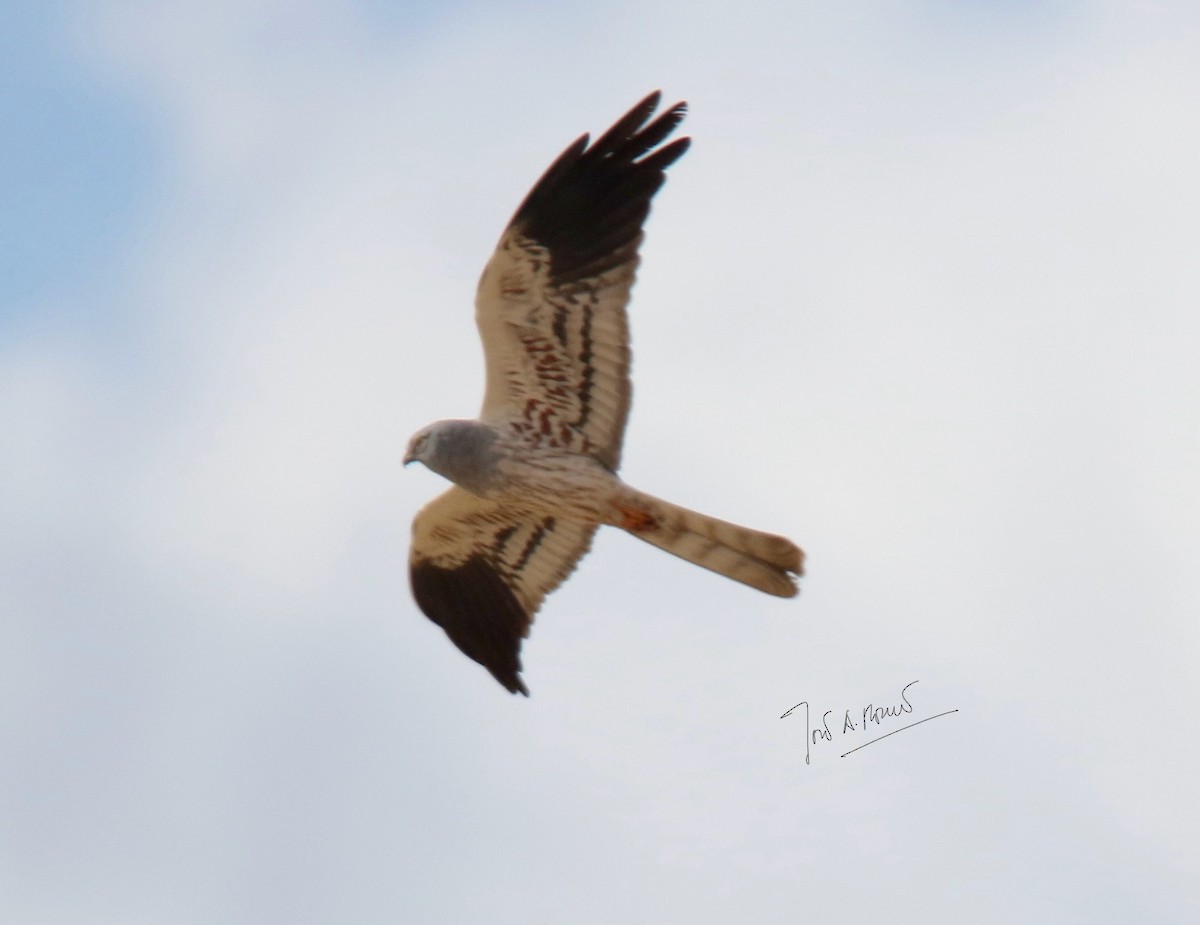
408	457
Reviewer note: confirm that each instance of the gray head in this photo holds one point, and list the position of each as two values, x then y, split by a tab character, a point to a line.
462	451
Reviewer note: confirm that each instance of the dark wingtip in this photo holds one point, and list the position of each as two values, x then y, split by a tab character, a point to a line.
478	611
588	207
628	125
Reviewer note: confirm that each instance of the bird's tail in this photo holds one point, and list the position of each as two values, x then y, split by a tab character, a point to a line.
761	560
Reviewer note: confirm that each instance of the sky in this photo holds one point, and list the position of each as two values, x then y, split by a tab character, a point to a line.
921	296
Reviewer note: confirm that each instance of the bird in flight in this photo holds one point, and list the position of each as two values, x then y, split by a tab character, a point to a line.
535	475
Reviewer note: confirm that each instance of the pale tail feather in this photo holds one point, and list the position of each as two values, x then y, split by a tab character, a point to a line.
761	560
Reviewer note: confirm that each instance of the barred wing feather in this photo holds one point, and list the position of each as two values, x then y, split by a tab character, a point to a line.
480	570
551	303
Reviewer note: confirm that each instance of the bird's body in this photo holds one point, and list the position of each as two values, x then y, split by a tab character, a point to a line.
535	476
497	464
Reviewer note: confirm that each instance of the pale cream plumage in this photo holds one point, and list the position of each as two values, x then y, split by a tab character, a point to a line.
536	474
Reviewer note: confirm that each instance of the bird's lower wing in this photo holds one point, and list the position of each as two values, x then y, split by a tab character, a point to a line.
480	570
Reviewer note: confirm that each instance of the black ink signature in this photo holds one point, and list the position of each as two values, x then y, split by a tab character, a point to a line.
859	722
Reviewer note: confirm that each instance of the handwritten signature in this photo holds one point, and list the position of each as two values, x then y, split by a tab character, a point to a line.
865	720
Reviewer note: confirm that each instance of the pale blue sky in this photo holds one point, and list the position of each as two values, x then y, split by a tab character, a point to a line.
78	161
922	296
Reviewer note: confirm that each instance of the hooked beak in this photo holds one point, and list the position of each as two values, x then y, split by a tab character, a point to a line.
409	458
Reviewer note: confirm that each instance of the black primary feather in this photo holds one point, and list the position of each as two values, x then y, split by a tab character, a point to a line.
478	611
588	208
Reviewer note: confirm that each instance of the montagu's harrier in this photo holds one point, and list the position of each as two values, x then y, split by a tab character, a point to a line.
536	474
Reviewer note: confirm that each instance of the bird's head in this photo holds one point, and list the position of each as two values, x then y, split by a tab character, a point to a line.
419	446
461	451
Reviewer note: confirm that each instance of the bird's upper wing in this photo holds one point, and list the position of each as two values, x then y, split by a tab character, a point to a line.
480	569
551	301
